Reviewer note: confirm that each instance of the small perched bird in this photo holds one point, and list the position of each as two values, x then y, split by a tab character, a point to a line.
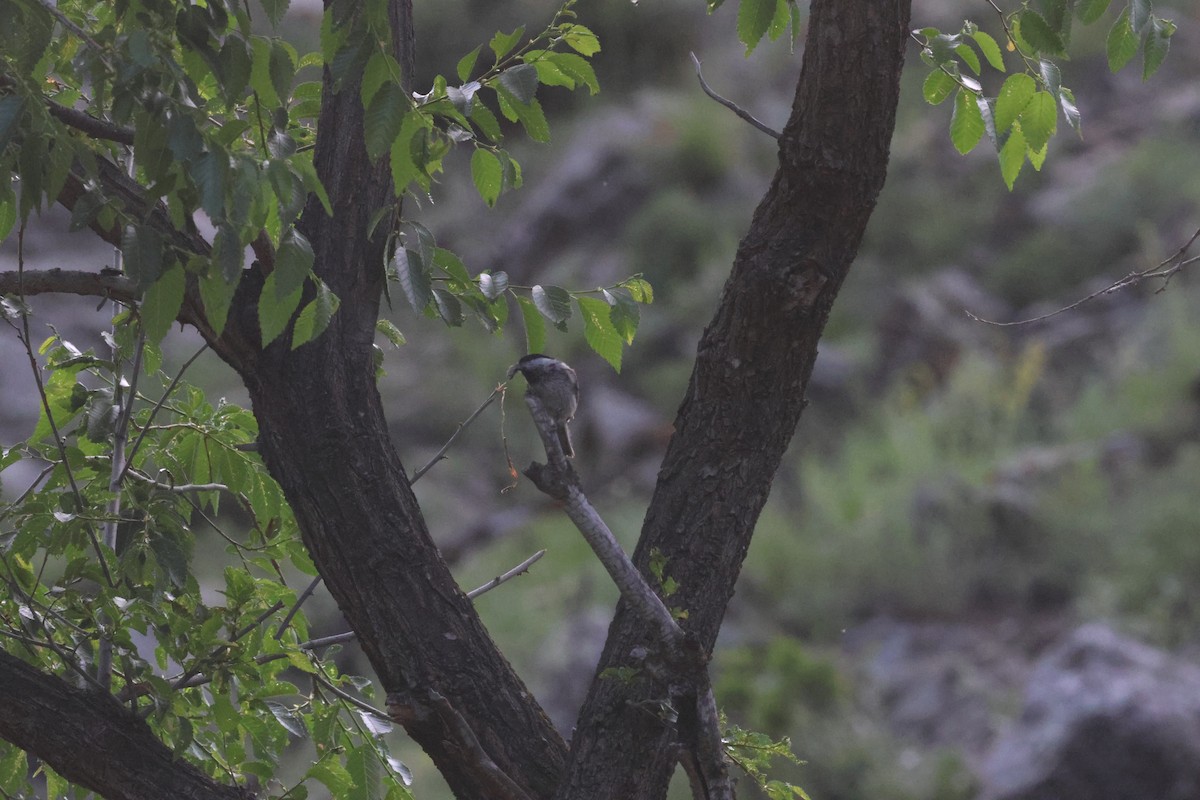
553	383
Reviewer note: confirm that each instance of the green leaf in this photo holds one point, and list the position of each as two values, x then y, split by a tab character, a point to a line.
1015	94
640	289
161	304
503	43
142	249
938	86
331	773
533	119
1039	120
413	276
275	10
210	172
282	68
966	126
625	313
260	71
1140	13
598	330
452	265
275	312
1156	45
390	332
968	56
521	81
449	307
315	316
581	39
1091	10
487	174
216	293
380	69
486	121
754	17
228	252
11	107
1012	157
1037	32
405	168
1122	43
293	262
554	303
577	67
990	49
466	64
535	326
384	119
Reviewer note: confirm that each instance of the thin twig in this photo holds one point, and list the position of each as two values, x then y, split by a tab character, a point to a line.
295	609
1159	270
26	339
519	569
462	426
137	443
182	681
734	107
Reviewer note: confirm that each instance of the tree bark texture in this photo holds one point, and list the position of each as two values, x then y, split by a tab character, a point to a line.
752	367
91	740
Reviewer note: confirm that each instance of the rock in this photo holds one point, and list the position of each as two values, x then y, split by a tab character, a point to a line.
1105	718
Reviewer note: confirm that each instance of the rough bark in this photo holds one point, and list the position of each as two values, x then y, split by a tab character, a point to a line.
753	363
91	740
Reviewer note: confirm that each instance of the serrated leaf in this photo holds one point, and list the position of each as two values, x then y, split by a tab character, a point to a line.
275	312
488	175
639	289
1051	75
384	119
533	119
293	262
599	332
1012	157
521	81
260	71
1140	13
554	303
314	318
581	39
1039	120
390	332
463	97
405	168
227	252
988	114
503	43
413	277
377	72
275	10
452	265
937	87
216	293
493	285
1015	94
968	57
486	121
1122	43
535	326
990	49
966	125
1038	33
142	251
1091	10
577	67
210	172
449	307
161	304
466	64
754	18
335	777
1156	45
282	68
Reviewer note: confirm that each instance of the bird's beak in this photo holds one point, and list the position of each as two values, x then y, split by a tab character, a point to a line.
513	370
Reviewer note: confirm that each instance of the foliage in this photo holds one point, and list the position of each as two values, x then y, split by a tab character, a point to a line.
1022	116
755	754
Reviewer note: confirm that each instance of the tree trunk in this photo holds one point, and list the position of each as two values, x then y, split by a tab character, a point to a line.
752	367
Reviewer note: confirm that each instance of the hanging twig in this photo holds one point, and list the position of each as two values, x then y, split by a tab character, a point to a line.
734	107
1159	270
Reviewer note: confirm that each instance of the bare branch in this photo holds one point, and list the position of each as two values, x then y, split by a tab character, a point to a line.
734	107
519	569
461	427
69	281
1163	270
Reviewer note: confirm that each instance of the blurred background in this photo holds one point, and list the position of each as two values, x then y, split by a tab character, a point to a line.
969	513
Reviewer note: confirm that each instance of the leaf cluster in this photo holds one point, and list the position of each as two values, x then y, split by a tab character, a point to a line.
1022	116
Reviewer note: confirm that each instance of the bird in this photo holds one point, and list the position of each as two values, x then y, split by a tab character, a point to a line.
554	384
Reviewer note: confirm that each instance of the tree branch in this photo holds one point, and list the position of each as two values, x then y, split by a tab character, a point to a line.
111	285
57	722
